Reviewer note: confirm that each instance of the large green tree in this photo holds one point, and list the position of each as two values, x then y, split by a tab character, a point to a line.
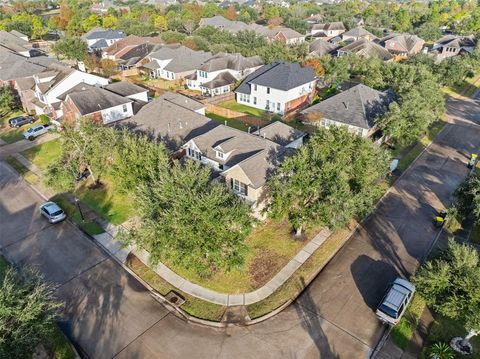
73	48
137	158
450	285
332	178
468	197
87	146
7	100
189	220
27	313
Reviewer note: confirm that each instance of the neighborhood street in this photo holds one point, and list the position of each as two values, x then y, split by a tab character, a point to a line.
107	313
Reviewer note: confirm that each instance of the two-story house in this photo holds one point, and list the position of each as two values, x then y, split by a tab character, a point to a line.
174	62
356	108
452	45
218	74
99	38
56	80
328	30
279	87
402	44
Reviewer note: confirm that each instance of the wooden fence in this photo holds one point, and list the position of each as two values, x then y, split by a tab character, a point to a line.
230	114
219	98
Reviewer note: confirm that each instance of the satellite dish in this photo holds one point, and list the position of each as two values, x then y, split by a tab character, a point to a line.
393	165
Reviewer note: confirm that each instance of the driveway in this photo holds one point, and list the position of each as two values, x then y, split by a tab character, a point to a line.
109	314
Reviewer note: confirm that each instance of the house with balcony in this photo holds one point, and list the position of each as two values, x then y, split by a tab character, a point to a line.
357	108
219	74
279	87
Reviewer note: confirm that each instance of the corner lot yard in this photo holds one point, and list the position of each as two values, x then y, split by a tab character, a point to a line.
234	106
271	246
107	201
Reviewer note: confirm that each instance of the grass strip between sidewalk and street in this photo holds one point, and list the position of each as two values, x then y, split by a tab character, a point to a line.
402	333
57	345
72	212
192	306
417	148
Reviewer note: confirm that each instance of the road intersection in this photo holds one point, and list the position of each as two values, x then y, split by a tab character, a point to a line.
108	313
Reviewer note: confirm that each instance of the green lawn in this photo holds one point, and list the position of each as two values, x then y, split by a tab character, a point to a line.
233	105
475	234
415	150
238	124
107	201
45	154
443	330
193	306
71	210
271	245
11	135
466	88
301	277
402	333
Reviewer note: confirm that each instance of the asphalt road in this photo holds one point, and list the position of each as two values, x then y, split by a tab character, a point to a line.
107	313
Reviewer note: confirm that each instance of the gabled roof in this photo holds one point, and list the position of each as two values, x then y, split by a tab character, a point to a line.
136	54
406	41
107	34
236	61
357	106
14	66
364	47
455	41
219	21
99	44
125	88
358	32
338	25
18	33
129	42
91	99
59	72
278	75
321	47
280	133
171	118
222	79
14	43
238	144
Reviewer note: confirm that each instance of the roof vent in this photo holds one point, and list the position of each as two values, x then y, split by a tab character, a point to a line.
346	105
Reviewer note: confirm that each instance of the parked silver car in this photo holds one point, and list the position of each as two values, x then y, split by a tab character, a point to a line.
396	301
52	212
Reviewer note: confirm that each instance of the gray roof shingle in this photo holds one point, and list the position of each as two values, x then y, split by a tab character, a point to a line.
172	119
364	47
278	75
90	99
125	88
357	106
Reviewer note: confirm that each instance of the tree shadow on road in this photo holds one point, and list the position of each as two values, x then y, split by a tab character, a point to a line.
372	278
311	322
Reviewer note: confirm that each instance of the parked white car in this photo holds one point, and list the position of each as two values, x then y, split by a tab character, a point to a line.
396	301
35	131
